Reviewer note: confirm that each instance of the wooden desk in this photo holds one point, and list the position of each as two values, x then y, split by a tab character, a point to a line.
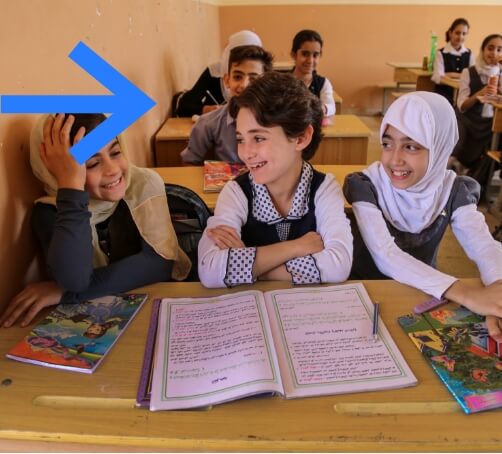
453	83
285	66
402	73
49	405
423	81
345	141
192	177
338	102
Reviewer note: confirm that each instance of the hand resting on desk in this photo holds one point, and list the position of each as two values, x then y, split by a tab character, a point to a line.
30	301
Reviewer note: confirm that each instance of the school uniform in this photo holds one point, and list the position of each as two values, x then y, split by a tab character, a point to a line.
398	231
474	124
322	88
214	131
94	247
247	207
450	60
63	235
193	101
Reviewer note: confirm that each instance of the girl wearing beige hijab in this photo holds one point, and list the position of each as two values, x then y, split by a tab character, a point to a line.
104	226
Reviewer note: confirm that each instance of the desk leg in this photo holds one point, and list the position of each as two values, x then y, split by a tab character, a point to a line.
495	141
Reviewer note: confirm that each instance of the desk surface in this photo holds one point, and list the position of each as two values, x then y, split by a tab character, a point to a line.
405	65
454	83
176	128
49	405
192	177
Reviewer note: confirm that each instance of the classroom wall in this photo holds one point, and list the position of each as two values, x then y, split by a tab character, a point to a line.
160	45
359	39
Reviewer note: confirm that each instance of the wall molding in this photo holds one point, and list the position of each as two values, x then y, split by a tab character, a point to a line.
353	2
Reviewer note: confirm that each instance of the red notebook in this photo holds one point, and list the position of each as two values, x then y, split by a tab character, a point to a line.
217	173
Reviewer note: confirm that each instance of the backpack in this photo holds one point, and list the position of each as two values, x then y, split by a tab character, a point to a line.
189	215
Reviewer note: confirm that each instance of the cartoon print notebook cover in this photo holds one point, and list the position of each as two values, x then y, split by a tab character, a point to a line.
77	337
456	344
217	173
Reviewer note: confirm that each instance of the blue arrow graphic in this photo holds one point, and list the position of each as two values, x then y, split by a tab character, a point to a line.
126	103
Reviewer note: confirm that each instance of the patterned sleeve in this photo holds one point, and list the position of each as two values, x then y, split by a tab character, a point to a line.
240	266
214	263
304	270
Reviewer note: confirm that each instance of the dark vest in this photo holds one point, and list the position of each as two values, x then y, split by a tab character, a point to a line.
423	246
452	64
257	233
118	235
474	113
316	84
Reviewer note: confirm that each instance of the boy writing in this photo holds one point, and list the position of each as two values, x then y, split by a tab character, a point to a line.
215	131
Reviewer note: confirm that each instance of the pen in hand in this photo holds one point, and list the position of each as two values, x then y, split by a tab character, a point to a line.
376	306
212	97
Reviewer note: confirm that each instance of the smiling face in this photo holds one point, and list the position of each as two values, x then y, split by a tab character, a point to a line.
106	173
307	57
241	75
458	35
404	160
492	51
272	158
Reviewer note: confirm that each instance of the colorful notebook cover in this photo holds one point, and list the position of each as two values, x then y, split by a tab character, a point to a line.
456	344
217	173
77	337
145	380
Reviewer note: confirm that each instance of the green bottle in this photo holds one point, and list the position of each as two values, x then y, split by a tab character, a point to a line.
434	42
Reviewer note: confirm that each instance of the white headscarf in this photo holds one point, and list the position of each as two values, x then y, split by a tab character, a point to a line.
242	38
484	69
429	119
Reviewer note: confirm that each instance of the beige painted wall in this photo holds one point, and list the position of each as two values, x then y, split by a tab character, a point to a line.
359	39
160	45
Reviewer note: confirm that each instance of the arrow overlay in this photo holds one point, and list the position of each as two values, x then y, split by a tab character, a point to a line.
126	103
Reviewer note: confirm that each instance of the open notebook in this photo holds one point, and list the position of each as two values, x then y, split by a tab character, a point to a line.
295	342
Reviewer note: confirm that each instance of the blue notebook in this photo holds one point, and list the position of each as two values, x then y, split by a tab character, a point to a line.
77	337
455	342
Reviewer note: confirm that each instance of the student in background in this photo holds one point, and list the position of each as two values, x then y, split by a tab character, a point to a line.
451	59
282	220
104	226
404	203
197	100
475	118
215	131
306	52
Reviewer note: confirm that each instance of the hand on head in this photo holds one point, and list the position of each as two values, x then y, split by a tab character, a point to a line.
55	152
29	302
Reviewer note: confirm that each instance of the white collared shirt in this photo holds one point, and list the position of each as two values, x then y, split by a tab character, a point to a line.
438	70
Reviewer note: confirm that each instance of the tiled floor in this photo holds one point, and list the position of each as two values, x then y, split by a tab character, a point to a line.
451	258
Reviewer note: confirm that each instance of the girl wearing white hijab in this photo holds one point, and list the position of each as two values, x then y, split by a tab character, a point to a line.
104	227
475	118
209	91
404	203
